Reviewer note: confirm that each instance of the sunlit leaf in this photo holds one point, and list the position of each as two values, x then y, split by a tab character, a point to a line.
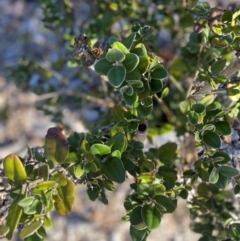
14	169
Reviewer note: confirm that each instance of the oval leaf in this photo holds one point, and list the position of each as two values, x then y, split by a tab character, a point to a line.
100	149
159	73
120	46
214	175
166	202
117	142
199	108
223	128
114	169
116	76
130	100
226	158
137	235
65	198
218	66
151	216
193	117
26	202
3	231
43	186
56	146
212	139
30	229
228	171
102	66
115	55
14	170
136	216
156	85
130	62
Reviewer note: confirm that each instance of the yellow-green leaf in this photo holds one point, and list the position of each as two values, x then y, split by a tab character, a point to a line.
30	229
14	169
14	215
65	198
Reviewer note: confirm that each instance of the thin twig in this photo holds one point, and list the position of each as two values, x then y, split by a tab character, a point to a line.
206	87
85	96
168	112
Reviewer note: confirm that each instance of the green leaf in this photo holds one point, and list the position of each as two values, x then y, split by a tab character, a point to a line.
145	107
60	178
115	55
14	169
159	189
117	142
193	117
233	91
100	149
143	64
134	75
129	40
47	222
220	42
154	63
223	128
26	202
43	186
166	202
222	181
237	189
214	175
114	170
228	171
56	146
120	46
212	139
130	100
226	157
136	216
65	198
137	235
183	194
191	4
151	216
13	217
132	126
116	76
159	74
186	105
3	231
130	62
102	66
79	171
199	108
35	207
227	16
30	229
156	85
144	189
129	91
93	193
167	153
218	66
43	172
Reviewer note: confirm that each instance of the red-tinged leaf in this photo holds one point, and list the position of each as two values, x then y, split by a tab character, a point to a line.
65	198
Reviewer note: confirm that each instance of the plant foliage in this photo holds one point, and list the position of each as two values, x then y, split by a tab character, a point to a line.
144	87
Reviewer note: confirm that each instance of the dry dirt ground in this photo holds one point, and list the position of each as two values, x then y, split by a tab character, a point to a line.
22	125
